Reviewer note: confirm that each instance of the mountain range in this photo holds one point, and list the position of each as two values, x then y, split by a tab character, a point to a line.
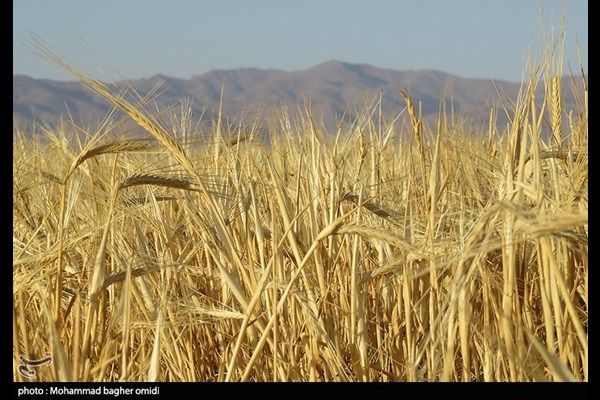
334	89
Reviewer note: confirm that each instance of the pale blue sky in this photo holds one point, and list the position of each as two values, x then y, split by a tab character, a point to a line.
182	38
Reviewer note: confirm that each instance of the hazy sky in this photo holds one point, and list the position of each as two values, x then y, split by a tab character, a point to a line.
114	39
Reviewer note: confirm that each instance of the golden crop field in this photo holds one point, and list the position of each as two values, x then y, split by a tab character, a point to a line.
385	251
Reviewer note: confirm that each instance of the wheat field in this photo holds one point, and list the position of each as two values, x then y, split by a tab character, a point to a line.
387	250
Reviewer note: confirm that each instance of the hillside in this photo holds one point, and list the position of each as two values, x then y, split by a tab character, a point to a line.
334	89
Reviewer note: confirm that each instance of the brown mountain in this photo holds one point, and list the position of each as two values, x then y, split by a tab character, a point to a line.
334	88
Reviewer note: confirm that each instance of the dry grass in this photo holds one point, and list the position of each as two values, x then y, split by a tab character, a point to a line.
383	252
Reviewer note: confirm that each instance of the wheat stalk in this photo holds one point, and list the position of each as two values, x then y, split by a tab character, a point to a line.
556	110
